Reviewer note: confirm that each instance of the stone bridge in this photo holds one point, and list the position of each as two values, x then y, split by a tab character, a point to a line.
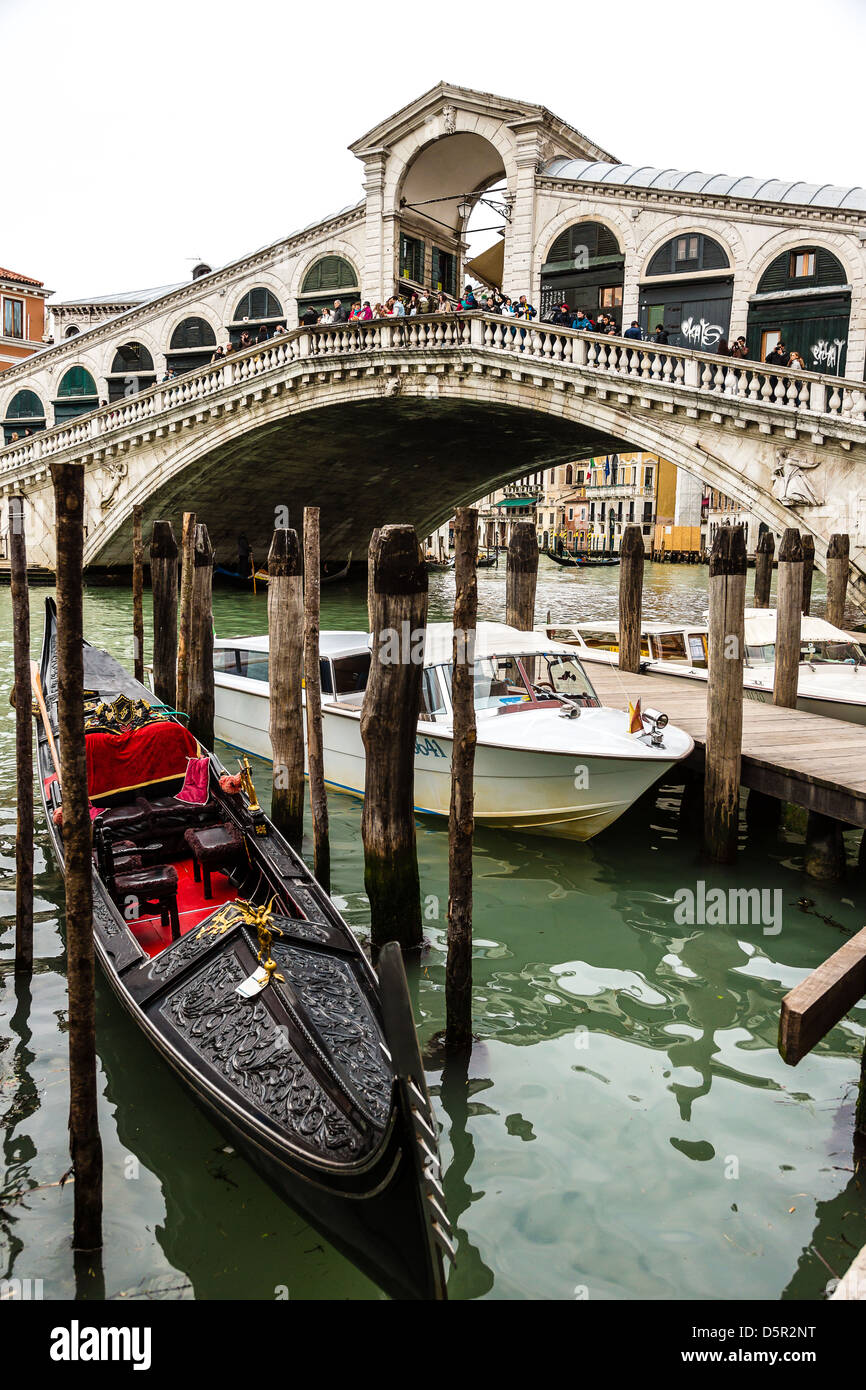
403	420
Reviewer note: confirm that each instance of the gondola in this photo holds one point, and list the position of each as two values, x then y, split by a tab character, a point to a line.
488	561
339	574
567	561
237	967
438	566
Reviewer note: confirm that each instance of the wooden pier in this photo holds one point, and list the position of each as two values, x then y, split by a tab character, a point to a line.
806	759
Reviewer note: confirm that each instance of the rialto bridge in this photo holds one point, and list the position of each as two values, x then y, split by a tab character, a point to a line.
403	419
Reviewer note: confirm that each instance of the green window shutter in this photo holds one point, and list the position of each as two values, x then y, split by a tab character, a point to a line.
192	333
330	273
76	382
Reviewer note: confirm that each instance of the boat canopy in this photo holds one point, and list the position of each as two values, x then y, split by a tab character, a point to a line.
760	629
491	639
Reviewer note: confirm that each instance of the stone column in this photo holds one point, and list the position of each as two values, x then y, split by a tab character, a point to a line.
520	235
373	277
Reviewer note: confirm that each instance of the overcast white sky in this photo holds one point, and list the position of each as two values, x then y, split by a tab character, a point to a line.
139	138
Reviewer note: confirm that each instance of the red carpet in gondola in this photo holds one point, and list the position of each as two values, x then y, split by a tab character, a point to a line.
191	907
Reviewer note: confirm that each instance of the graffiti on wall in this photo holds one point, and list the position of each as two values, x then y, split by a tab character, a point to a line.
700	333
827	355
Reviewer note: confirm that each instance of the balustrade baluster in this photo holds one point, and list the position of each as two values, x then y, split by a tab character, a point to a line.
779	391
792	393
679	371
835	401
766	388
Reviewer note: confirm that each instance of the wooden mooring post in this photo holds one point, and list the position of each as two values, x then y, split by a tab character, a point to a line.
521	577
389	728
137	597
84	1141
764	570
727	594
789	606
313	689
200	697
163	582
838	552
461	818
23	701
808	544
631	560
187	565
371	562
285	674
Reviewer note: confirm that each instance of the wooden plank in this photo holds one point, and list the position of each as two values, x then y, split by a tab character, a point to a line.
817	1004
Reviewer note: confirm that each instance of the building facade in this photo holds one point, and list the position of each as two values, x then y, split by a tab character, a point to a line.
22	318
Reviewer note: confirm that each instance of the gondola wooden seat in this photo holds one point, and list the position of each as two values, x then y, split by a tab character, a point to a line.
215	847
154	886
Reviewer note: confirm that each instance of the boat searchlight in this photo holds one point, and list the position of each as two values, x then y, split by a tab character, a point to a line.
657	722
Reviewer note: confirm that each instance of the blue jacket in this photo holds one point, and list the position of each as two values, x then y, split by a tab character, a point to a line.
583	322
633	333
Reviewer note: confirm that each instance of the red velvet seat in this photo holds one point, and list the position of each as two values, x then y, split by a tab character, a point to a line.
214	847
156	887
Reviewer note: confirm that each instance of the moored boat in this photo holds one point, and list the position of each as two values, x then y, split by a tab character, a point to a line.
550	759
240	972
832	675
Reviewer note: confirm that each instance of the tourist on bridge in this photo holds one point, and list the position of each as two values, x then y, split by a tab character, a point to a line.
309	317
396	307
366	312
468	299
779	357
218	355
561	316
739	348
340	314
634	331
582	322
660	335
443	304
524	309
796	363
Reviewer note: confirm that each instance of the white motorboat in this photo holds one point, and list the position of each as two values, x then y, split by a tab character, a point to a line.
832	679
550	758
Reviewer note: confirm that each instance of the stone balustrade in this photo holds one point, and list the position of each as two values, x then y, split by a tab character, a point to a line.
685	373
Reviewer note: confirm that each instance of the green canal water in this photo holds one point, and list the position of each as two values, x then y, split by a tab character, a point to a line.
626	1129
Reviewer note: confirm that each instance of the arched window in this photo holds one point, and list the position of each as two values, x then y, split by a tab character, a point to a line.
25	415
76	394
584	269
683	255
330	278
330	273
192	333
569	474
72	330
192	346
805	267
132	370
258	304
256	316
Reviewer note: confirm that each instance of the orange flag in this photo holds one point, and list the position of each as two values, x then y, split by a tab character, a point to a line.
635	722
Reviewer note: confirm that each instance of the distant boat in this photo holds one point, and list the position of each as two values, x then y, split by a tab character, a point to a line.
488	561
438	566
832	677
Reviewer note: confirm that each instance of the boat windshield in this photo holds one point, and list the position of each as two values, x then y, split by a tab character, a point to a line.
815	653
503	681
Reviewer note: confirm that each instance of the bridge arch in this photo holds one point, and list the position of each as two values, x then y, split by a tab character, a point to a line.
485	145
618	225
316	432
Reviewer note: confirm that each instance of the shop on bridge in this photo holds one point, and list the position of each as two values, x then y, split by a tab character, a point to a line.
76	395
25	414
257	314
802	300
132	370
192	346
584	269
687	287
328	279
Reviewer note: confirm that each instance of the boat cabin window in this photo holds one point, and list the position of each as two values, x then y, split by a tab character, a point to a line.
563	634
432	699
670	646
350	676
605	641
602	641
698	649
241	661
831	653
764	653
